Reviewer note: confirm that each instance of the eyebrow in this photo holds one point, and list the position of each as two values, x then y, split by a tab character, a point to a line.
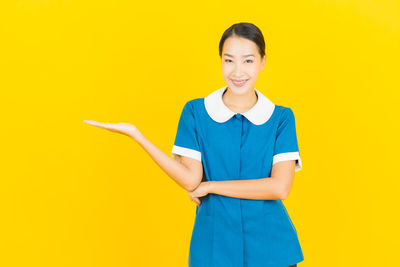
226	54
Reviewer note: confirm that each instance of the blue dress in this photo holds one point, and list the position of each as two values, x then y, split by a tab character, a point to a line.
234	232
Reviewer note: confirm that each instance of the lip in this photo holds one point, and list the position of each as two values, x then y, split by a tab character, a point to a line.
239	85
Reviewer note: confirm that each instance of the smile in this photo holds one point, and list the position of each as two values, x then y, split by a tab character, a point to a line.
239	83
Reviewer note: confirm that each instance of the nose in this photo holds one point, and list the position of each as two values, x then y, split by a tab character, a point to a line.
238	70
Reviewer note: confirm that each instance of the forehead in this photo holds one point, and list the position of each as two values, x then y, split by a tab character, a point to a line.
238	46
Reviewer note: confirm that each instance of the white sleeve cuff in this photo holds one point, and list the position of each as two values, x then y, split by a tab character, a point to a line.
187	152
288	156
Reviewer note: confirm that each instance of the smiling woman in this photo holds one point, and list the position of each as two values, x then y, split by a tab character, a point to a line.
236	154
248	148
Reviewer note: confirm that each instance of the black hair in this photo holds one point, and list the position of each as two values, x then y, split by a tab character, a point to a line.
245	30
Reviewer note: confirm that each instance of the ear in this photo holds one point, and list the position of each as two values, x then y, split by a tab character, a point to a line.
263	61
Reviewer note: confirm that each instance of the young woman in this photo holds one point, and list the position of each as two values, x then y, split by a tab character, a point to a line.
235	153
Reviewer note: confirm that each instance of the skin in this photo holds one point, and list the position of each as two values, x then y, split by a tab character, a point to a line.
188	172
236	64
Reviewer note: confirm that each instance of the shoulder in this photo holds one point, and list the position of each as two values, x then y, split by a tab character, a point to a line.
194	105
195	102
283	110
284	113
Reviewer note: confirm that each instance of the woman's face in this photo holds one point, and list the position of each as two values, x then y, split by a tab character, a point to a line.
241	61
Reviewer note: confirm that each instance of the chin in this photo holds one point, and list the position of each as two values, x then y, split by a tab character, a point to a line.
239	90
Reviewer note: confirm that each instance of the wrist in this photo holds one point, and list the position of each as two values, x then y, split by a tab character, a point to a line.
210	187
137	136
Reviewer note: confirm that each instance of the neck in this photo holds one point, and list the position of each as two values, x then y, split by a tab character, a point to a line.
239	103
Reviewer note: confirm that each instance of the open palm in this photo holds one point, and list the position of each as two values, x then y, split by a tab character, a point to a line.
121	127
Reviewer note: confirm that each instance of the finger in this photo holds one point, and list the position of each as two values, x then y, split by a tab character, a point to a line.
95	123
193	199
103	125
90	122
197	200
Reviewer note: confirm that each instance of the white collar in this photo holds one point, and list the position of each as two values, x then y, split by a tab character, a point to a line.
219	112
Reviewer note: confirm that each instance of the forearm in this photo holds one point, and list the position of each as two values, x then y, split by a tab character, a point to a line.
174	169
263	188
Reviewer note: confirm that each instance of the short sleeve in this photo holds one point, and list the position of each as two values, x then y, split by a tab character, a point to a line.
186	141
286	147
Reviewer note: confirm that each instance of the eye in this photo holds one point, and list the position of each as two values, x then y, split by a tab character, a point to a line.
251	61
227	60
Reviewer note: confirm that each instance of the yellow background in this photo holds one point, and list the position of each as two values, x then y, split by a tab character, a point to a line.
72	194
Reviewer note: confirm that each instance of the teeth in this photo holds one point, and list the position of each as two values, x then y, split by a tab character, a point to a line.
240	81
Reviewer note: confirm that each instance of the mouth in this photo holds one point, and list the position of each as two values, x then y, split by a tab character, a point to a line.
239	83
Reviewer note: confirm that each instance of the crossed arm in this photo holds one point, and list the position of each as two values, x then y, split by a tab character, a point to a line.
275	187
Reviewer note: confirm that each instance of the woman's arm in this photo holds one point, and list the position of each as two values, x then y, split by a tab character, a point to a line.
275	187
186	172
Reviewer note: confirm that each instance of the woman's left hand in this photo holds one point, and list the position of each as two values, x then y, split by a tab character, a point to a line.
202	190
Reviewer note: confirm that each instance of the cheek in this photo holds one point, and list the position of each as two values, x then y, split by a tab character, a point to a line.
253	70
226	70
